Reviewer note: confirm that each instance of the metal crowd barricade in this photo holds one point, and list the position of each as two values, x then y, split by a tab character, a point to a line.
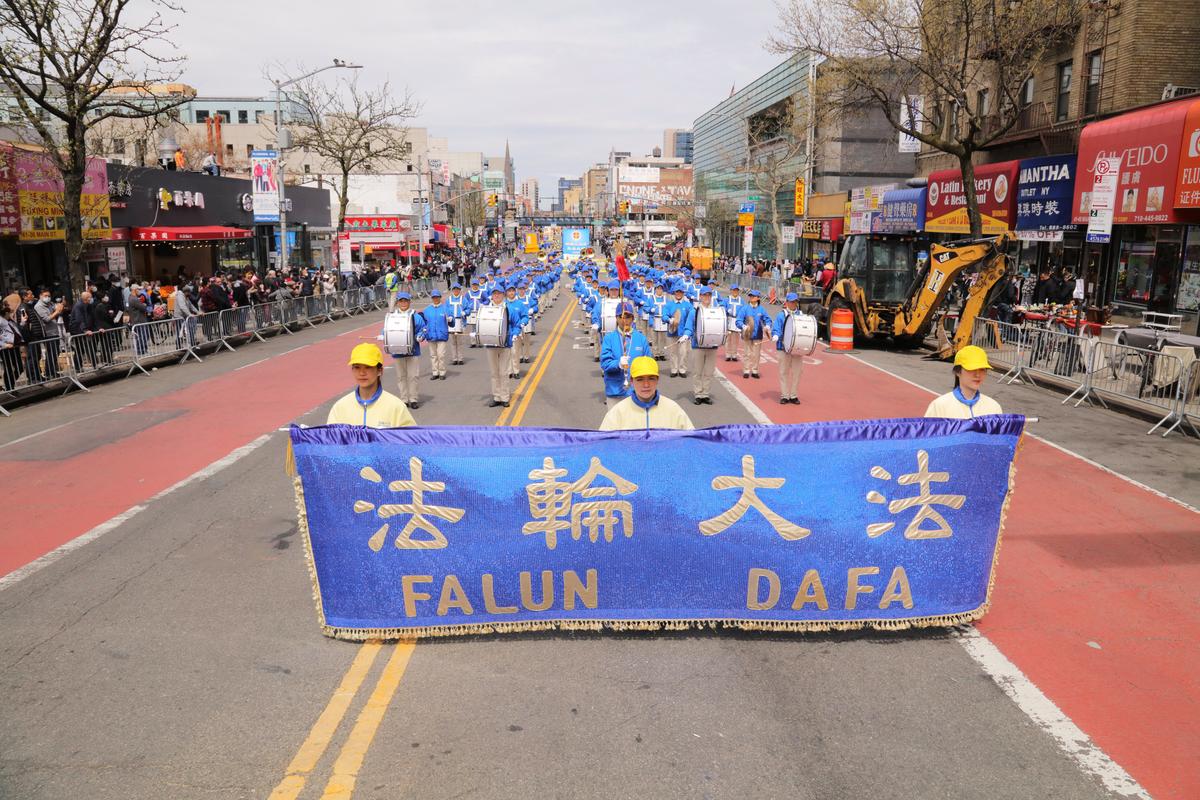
1054	354
92	353
1149	377
1001	341
164	338
39	363
1189	399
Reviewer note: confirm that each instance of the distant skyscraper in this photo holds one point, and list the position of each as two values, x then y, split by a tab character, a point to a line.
529	191
563	185
677	143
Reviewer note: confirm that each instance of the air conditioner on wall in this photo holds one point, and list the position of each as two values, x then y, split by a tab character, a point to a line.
1171	91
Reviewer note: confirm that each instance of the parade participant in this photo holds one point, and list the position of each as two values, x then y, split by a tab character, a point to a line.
460	307
516	304
438	318
704	359
620	348
657	306
478	297
531	310
733	307
966	401
791	366
611	291
408	367
391	282
753	315
499	357
681	310
369	404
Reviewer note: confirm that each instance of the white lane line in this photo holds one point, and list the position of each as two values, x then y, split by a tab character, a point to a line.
20	574
1058	447
252	363
1022	691
65	424
1047	716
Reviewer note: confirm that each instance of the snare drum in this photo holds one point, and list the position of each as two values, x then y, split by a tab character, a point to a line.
710	326
493	326
398	333
799	336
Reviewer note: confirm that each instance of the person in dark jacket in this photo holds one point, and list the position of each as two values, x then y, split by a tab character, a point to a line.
1047	288
81	324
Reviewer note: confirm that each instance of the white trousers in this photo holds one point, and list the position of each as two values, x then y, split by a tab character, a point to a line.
408	369
456	346
437	357
498	363
704	364
753	355
679	355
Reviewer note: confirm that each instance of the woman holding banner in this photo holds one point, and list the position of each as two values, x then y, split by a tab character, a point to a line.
966	401
369	404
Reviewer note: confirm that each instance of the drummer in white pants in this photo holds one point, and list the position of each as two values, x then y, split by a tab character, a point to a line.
499	355
704	356
460	306
408	367
791	366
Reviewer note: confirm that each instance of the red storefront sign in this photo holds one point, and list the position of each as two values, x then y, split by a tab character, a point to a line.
995	192
1187	189
377	223
1149	143
823	230
195	233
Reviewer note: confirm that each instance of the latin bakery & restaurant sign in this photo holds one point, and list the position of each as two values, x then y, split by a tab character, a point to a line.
995	192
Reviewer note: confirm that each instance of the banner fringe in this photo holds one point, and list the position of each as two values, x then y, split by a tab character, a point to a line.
621	625
302	524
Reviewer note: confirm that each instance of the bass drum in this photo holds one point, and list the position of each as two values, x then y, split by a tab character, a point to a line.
799	336
492	326
608	314
398	333
710	327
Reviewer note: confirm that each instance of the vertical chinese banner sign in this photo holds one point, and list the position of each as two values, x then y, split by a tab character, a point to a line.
435	531
264	172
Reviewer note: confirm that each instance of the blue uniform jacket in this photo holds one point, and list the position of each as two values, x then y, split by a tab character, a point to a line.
518	315
687	314
437	323
613	347
754	316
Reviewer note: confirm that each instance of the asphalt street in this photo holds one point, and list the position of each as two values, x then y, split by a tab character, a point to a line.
177	655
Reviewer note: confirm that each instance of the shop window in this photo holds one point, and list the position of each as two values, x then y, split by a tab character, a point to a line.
1091	100
201	115
1062	105
243	117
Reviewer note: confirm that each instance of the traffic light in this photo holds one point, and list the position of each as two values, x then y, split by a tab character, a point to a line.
492	200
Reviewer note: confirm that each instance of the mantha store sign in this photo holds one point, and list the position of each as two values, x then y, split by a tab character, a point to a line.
995	191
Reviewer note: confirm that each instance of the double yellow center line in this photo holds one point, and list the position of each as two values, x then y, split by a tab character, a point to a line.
350	758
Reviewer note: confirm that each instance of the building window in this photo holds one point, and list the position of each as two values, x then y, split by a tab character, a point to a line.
983	102
1091	100
118	147
249	150
224	115
1062	105
243	117
229	150
260	117
307	169
201	115
1027	92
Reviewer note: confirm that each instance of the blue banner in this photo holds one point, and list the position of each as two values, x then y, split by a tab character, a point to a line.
902	211
575	241
1045	192
442	531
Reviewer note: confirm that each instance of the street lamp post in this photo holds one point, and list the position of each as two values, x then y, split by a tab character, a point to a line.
279	85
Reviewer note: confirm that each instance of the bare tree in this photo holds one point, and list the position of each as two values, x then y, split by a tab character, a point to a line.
353	129
956	66
72	64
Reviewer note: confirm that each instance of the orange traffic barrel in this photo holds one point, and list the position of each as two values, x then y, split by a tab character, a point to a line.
841	329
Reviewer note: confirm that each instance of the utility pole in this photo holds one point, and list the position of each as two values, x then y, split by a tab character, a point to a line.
282	263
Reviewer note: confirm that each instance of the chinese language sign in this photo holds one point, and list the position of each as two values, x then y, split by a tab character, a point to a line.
425	531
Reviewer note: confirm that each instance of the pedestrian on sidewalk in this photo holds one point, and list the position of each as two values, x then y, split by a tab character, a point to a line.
966	401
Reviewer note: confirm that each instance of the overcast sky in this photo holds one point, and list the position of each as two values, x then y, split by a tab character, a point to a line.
563	81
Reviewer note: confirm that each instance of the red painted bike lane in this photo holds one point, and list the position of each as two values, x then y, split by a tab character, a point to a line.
1097	596
65	482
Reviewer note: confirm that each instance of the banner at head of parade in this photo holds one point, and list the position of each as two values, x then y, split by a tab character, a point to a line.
902	211
445	531
995	194
574	240
1045	189
264	176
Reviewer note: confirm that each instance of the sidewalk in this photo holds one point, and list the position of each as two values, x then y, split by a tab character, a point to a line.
1097	595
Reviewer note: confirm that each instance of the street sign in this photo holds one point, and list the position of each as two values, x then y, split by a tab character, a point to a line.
746	219
746	208
1104	200
420	201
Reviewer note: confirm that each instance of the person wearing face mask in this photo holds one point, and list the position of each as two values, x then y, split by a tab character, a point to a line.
966	401
47	314
81	324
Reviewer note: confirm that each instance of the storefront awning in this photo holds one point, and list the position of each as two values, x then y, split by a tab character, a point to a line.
189	234
1150	143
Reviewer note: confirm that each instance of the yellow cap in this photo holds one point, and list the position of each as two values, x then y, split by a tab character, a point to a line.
642	366
971	358
367	354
